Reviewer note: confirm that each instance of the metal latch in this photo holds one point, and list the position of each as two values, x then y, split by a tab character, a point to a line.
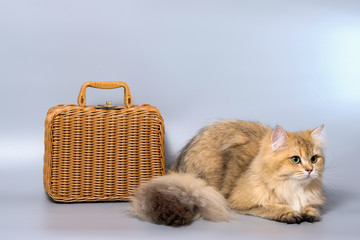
108	106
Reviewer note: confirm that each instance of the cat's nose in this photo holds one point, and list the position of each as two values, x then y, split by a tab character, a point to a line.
309	170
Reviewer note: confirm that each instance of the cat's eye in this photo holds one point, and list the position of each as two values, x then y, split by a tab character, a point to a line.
296	159
314	159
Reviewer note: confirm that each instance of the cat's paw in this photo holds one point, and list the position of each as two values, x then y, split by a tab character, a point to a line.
311	214
291	217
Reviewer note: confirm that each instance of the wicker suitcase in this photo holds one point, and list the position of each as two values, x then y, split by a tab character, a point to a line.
101	153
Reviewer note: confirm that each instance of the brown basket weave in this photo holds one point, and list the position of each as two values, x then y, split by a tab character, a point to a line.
99	154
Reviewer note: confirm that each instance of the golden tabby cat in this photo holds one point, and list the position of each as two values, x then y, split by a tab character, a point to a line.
243	166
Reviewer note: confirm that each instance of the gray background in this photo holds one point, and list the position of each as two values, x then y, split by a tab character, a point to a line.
292	63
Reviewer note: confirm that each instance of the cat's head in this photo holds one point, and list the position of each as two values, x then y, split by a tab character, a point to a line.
296	156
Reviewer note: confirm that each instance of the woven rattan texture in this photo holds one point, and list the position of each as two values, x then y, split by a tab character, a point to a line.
101	155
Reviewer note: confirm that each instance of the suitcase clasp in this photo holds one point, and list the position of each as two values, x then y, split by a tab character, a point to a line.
108	106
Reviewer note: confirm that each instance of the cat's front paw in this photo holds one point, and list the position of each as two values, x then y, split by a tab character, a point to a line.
311	214
291	217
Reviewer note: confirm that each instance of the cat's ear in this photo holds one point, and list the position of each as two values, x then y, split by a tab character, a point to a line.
279	138
318	135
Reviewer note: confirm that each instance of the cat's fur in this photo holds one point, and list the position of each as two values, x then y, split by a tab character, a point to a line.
245	166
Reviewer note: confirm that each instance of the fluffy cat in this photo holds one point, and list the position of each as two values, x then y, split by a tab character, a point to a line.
239	166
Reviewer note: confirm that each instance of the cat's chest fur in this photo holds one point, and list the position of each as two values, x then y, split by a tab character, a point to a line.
295	195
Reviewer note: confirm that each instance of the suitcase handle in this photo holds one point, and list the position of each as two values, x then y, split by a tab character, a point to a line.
105	85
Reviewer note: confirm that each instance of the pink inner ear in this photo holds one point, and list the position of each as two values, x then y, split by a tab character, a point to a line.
318	132
319	136
278	138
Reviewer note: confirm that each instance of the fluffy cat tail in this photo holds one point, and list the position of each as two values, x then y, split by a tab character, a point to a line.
178	199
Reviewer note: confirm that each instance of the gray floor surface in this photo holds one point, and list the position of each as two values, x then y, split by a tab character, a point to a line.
26	212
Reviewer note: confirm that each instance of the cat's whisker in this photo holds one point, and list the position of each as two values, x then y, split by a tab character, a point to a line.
330	178
327	185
